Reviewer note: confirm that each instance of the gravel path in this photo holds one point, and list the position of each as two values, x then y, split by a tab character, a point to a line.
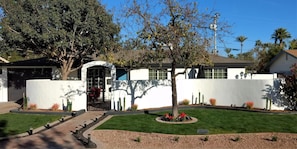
118	139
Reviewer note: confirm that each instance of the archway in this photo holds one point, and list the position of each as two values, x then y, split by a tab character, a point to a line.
98	84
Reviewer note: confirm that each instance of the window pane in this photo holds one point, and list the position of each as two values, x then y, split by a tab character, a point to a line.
152	74
220	73
208	73
157	74
162	74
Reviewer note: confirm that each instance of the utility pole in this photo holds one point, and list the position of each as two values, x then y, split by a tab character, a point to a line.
214	27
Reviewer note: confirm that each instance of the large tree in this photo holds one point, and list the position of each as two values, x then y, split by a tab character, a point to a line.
279	36
66	31
172	32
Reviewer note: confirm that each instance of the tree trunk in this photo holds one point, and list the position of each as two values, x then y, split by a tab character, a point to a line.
65	71
173	90
64	75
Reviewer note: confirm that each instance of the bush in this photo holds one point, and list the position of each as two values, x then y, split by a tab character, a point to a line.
32	106
212	101
55	107
134	107
289	87
185	102
249	104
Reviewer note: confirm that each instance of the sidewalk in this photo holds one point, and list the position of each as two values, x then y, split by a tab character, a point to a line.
57	137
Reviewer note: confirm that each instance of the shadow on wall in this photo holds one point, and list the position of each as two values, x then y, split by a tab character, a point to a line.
138	88
68	95
273	93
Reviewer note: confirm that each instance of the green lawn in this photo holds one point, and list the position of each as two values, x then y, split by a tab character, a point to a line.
12	123
216	121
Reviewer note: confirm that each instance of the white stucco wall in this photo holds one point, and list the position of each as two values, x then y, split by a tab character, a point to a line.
225	91
232	72
139	74
3	85
44	93
283	64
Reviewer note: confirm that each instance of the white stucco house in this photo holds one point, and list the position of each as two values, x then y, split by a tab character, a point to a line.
223	68
99	74
14	75
281	63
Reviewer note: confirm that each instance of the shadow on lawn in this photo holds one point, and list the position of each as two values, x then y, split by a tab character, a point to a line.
3	124
55	139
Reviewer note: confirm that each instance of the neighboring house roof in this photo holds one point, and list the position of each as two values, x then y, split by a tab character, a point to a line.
293	53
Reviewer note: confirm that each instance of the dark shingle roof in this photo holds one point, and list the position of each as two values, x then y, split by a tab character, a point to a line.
218	61
33	62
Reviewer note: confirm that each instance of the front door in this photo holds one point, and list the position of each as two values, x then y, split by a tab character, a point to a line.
97	77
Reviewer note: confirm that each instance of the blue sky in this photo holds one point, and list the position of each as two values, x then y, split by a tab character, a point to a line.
255	19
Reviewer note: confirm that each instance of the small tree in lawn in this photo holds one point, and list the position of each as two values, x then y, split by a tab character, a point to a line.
66	31
173	35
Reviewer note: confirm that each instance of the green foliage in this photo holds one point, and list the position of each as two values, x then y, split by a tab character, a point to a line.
215	120
279	36
241	39
265	52
65	31
274	138
293	44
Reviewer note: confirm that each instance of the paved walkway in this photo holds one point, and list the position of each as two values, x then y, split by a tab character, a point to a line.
58	137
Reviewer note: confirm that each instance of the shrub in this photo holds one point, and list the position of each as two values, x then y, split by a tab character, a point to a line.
32	106
176	138
249	104
236	139
134	107
181	117
55	107
274	138
185	102
137	139
289	88
205	138
212	101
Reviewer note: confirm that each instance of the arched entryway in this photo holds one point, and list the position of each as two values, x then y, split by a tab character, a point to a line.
98	76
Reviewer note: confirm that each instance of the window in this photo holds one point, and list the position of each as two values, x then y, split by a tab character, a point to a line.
208	73
220	73
157	74
216	73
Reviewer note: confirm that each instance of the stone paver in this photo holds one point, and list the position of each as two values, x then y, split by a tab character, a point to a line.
58	137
